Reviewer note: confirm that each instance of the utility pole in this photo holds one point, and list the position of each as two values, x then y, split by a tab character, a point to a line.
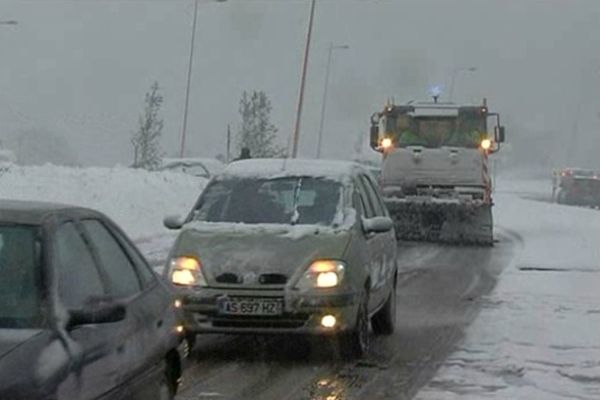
325	89
228	156
189	81
296	135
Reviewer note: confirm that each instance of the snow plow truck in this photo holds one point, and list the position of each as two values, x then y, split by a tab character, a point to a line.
435	177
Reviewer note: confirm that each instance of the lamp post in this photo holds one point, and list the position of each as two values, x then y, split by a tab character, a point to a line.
332	47
296	134
455	72
189	78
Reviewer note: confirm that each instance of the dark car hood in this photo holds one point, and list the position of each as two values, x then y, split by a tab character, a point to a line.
10	339
249	251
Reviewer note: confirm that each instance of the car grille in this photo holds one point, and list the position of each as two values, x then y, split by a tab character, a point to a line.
284	321
272	279
263	279
228	278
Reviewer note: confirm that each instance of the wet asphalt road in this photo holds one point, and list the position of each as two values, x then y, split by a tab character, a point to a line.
439	294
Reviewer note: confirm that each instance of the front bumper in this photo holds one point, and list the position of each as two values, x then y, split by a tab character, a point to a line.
302	312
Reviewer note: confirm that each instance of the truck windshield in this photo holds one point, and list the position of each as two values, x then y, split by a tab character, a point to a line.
437	131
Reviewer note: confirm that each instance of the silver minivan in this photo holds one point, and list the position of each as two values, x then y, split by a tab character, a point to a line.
287	246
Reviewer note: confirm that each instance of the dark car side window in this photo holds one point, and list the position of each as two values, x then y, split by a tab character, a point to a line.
144	270
77	273
122	277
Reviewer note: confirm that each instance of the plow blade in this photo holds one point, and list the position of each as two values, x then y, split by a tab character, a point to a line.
454	223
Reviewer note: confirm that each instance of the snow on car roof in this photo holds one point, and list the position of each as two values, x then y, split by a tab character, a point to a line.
192	160
275	168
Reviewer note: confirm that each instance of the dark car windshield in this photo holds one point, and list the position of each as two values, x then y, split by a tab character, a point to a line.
20	272
289	200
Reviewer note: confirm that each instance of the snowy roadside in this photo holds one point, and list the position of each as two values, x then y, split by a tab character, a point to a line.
537	334
137	200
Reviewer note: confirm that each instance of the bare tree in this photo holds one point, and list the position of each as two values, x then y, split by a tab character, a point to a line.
146	141
257	133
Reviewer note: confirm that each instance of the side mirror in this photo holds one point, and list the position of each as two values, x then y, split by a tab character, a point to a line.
97	314
173	222
500	134
374	136
377	224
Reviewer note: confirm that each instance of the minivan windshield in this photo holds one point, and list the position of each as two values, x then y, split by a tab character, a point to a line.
289	200
20	293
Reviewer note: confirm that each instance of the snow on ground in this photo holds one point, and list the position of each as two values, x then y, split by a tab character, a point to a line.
525	187
137	200
537	334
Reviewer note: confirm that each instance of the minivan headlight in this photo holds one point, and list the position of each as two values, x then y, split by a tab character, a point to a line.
322	274
186	271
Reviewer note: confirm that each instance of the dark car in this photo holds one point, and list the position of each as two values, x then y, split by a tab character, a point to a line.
576	186
288	246
82	315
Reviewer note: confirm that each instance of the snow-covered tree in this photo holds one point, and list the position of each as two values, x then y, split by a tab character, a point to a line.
146	141
257	133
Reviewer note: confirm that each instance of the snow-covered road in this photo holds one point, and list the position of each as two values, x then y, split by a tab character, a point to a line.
531	336
537	334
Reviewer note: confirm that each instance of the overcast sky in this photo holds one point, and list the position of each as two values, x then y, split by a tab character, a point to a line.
79	69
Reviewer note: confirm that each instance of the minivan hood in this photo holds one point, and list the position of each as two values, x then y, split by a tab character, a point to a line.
248	251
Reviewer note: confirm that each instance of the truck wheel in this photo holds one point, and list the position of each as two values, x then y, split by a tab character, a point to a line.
356	342
384	321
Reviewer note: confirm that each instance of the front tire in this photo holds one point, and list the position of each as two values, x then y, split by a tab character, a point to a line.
168	385
384	321
356	342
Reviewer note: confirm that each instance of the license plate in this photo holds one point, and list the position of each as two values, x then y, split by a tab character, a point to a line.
240	306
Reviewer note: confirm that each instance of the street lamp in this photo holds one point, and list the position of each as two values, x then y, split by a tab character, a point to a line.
296	135
332	47
189	77
455	72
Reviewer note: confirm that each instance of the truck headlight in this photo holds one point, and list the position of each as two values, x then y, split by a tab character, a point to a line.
186	271
322	274
387	143
486	144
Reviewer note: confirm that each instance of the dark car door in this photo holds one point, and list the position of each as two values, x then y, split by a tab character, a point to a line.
93	348
147	303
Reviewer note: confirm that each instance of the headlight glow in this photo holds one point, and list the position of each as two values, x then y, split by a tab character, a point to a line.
486	144
322	274
327	279
386	143
186	271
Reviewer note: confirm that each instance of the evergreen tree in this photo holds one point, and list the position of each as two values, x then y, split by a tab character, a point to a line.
257	133
146	141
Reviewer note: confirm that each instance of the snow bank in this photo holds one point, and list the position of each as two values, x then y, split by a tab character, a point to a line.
537	334
135	199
